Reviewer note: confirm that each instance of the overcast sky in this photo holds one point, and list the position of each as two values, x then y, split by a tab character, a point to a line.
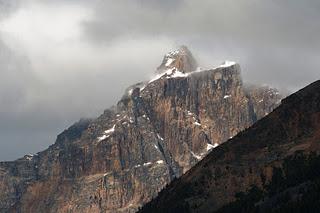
63	60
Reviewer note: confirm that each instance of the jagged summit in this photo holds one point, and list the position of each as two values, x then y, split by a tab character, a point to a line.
181	63
181	59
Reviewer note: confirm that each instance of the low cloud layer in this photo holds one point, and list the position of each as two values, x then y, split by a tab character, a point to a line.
66	59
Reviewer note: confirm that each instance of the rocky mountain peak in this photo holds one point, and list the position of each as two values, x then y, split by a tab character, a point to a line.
158	130
181	59
180	63
270	167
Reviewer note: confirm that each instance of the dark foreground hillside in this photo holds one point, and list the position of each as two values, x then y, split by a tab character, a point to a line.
274	166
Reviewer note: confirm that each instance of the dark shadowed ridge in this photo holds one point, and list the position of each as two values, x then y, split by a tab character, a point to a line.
271	167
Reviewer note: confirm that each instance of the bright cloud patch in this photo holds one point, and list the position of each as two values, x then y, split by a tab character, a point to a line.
37	23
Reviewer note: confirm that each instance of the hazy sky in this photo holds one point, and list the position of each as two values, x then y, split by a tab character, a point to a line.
66	59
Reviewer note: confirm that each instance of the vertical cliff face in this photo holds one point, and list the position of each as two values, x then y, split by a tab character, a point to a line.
271	167
158	131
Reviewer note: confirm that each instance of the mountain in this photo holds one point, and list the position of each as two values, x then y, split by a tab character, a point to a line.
157	131
274	166
181	59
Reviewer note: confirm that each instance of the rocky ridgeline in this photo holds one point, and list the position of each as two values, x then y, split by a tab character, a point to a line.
158	131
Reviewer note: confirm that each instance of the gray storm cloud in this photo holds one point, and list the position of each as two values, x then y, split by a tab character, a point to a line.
66	59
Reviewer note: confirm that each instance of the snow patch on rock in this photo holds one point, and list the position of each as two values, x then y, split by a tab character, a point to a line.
147	164
210	146
103	137
155	146
159	137
29	157
108	131
174	73
178	74
196	156
169	62
227	64
160	162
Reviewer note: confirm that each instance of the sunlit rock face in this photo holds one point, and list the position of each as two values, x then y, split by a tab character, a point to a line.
157	131
273	166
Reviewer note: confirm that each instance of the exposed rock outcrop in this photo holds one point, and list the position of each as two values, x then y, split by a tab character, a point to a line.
271	167
158	131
